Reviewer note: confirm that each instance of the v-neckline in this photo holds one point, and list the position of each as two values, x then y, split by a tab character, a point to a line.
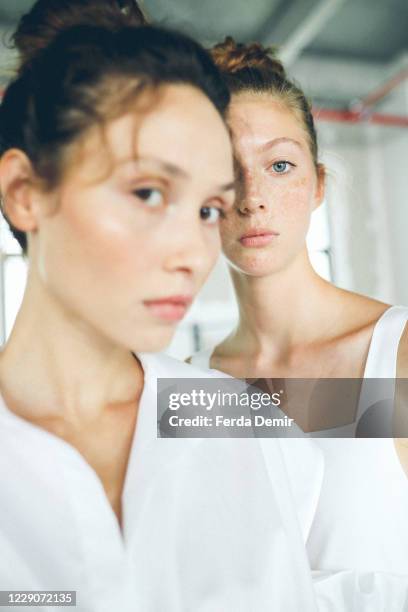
61	445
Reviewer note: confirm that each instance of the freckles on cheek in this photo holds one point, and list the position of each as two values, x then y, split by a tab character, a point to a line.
229	231
294	198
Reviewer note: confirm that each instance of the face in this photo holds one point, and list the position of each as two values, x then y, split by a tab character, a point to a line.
265	231
127	253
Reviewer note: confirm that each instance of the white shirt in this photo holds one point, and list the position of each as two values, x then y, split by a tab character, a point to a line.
209	525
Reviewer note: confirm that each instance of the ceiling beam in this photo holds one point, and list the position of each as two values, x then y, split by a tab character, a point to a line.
307	29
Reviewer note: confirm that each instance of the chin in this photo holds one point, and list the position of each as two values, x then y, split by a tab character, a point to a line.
260	265
259	272
155	341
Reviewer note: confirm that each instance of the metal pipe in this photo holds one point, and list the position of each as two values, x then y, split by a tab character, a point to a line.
380	93
307	31
346	116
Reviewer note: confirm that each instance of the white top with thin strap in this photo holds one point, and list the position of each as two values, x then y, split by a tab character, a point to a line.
361	521
361	518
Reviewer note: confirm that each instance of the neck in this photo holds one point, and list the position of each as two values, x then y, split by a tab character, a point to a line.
282	309
56	365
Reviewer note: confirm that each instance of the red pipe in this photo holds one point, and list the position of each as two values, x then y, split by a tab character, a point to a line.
345	116
382	91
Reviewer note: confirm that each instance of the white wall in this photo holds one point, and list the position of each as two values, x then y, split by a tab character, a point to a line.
368	193
395	170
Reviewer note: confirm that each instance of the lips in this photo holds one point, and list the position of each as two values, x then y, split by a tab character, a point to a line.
172	308
258	237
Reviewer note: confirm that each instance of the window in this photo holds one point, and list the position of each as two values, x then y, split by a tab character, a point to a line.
13	273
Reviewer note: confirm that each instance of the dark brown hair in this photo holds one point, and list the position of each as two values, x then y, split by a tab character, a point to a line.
47	18
255	68
74	75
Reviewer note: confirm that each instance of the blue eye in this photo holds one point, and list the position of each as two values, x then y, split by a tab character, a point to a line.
281	166
153	197
210	214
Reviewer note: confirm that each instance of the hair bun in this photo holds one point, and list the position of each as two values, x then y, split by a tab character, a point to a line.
231	57
47	18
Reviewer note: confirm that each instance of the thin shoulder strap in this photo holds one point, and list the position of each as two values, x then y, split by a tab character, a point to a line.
382	354
202	359
382	364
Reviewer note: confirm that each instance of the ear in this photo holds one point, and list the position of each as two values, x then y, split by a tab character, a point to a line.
321	184
17	190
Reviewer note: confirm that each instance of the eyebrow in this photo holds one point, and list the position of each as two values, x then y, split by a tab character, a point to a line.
169	168
228	187
275	141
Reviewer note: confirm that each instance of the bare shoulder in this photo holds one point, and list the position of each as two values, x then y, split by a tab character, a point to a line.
368	308
361	312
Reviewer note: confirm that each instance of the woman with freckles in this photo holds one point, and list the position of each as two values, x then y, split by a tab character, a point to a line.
117	210
294	324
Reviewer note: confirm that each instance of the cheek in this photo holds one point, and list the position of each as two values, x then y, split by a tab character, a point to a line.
207	256
94	241
214	249
230	228
116	245
290	200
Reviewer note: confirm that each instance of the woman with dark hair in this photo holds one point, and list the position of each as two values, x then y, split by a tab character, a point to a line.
117	209
294	324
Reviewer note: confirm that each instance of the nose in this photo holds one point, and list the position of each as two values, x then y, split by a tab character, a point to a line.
250	206
249	199
190	254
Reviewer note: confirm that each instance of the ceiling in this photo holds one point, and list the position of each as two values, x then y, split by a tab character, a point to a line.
372	34
370	30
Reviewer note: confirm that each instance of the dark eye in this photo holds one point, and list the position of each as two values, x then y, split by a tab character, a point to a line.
281	167
210	214
152	196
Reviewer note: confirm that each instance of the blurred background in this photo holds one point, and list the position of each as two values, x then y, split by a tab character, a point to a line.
351	59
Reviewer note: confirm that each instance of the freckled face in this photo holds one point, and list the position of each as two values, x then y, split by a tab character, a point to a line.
148	230
280	187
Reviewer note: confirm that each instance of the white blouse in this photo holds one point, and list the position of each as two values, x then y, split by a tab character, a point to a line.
209	525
